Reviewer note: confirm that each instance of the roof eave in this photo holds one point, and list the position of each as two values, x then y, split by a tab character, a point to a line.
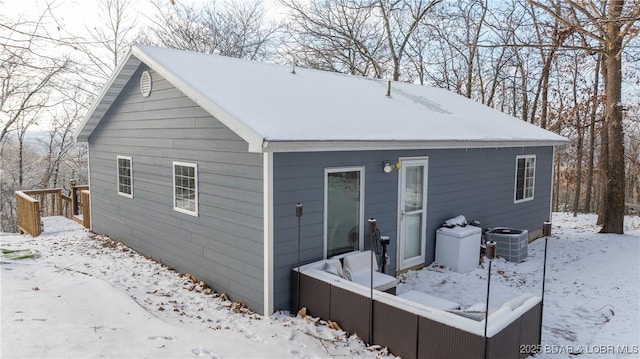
356	145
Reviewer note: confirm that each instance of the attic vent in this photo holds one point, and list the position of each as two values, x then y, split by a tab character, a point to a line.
145	84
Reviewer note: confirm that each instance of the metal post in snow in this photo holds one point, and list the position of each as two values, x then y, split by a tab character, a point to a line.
384	241
74	198
490	253
372	230
546	232
299	215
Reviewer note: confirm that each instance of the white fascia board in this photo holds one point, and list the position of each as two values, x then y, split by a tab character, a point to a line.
245	132
107	95
322	146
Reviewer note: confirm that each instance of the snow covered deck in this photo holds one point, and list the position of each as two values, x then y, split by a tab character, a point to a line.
33	205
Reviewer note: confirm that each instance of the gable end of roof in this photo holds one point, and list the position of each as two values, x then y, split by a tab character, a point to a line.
122	75
107	96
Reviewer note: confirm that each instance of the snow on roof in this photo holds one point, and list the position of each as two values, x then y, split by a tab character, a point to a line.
274	109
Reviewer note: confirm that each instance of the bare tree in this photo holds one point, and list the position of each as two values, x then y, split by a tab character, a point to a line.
633	156
180	27
236	29
19	167
400	20
593	122
547	54
31	83
60	143
473	51
578	113
107	42
360	37
612	27
8	180
336	36
28	72
243	30
23	89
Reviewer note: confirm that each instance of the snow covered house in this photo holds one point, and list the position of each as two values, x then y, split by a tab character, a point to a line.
199	161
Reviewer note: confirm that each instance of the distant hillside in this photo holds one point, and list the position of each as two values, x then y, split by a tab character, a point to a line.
37	140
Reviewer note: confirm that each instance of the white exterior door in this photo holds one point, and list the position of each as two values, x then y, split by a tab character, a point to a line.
412	211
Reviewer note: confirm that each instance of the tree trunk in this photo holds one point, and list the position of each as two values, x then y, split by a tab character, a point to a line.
544	106
590	169
603	159
614	207
580	143
579	148
592	136
20	162
473	49
556	189
543	82
603	173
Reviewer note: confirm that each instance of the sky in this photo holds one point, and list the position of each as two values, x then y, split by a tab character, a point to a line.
74	15
77	15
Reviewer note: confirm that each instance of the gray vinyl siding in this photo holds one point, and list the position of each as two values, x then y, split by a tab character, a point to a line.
477	183
223	245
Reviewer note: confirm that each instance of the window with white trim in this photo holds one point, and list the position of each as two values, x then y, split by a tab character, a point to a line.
185	188
343	210
125	177
525	178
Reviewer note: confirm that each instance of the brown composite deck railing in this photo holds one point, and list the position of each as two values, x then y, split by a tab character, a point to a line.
32	205
411	333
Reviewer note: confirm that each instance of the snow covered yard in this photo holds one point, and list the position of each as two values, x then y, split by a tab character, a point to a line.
92	297
592	291
89	296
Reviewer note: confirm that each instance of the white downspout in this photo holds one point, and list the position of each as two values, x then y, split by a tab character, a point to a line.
553	169
267	205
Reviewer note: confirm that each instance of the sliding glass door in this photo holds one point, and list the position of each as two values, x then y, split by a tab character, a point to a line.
343	210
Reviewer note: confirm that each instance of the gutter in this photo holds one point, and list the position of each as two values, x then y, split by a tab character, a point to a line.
368	145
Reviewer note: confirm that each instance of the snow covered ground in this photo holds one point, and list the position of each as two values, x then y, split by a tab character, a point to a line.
592	290
89	296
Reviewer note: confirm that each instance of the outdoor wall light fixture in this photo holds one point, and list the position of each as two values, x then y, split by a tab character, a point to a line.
387	167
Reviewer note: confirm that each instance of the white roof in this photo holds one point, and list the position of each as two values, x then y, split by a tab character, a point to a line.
276	110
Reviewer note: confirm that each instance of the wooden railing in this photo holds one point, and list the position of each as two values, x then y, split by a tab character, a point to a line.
32	205
28	211
86	210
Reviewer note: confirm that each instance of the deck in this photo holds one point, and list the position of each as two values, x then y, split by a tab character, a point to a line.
33	205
